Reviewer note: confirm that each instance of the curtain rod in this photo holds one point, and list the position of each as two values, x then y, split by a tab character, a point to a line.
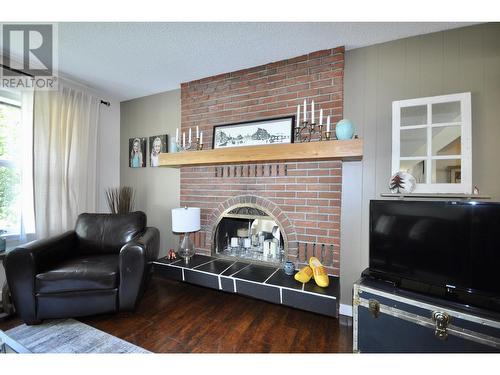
16	70
106	103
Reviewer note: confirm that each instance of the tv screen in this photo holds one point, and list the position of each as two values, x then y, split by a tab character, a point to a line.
448	244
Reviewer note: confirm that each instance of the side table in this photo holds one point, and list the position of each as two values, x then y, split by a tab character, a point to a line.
6	307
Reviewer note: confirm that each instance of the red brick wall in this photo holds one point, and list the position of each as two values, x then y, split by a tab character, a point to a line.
308	196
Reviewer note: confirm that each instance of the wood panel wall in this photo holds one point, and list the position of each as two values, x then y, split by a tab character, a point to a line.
460	60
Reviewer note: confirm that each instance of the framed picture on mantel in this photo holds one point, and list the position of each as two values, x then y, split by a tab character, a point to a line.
254	133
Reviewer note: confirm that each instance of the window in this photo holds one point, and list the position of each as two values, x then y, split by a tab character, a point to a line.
16	182
431	140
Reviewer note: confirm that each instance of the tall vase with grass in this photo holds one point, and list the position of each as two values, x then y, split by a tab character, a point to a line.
120	200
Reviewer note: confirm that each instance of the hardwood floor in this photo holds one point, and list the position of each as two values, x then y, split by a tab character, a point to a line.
175	317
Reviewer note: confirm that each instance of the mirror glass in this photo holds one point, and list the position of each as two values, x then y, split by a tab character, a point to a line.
446	112
416	115
416	168
446	171
413	142
446	140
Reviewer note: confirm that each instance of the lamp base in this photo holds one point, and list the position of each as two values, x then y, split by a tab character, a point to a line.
186	248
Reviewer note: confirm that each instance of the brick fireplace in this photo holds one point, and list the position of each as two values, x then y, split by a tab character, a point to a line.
304	197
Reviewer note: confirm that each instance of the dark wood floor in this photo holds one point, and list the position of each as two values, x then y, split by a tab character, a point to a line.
176	317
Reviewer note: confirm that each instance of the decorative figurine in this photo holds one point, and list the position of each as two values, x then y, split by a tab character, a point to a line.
402	183
289	268
171	255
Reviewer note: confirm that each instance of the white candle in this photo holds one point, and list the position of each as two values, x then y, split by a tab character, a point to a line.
189	141
234	242
201	138
305	110
197	132
321	116
298	115
312	112
328	124
183	139
177	135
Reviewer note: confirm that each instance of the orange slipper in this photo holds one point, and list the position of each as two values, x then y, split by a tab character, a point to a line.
319	272
304	275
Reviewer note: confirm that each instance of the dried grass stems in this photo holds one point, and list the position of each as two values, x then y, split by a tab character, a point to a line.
120	200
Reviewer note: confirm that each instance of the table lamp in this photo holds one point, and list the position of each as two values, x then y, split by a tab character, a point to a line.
186	220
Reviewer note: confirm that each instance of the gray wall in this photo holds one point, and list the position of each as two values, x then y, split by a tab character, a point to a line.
461	60
157	189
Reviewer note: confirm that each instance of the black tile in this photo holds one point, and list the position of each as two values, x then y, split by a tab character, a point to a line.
196	260
280	278
216	267
168	271
165	260
331	290
234	268
255	272
310	302
260	291
227	284
201	278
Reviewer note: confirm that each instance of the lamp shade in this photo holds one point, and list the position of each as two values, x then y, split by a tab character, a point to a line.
186	219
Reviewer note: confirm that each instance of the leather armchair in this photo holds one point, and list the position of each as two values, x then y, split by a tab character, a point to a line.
100	267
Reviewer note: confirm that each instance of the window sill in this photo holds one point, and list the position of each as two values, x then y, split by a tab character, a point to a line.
12	240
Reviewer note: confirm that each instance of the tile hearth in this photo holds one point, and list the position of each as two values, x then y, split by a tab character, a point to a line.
263	282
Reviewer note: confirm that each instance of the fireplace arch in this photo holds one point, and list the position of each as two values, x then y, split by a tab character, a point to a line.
233	206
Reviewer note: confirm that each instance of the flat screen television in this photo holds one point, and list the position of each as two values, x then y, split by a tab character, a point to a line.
449	249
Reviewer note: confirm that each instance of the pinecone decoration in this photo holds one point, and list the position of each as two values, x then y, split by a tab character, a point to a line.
397	183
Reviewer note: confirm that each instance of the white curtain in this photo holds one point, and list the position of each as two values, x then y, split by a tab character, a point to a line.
65	149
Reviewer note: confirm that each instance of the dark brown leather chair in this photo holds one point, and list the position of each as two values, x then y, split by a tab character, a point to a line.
100	267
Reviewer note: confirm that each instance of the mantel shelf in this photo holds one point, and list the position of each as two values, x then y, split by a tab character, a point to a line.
325	150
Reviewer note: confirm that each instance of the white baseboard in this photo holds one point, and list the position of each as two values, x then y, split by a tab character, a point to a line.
345	310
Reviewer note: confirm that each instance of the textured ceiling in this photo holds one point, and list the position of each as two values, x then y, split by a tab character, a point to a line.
130	60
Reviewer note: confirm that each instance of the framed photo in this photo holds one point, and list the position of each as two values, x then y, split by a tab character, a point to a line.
157	144
455	176
137	152
253	133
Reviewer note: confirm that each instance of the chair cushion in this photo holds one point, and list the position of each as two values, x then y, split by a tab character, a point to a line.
92	272
107	233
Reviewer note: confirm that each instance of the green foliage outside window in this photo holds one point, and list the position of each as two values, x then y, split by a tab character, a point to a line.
9	175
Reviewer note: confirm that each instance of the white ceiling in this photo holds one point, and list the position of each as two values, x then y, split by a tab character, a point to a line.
130	60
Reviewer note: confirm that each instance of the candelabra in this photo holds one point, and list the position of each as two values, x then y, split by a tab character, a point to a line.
306	129
190	146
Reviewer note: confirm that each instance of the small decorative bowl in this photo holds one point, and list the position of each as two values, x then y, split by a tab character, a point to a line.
289	268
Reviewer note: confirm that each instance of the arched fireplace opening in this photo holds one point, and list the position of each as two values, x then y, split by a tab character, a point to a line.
251	233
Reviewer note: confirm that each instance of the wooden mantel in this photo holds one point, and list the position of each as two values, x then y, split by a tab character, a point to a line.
325	150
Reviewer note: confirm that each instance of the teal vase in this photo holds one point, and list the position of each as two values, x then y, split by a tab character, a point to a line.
344	130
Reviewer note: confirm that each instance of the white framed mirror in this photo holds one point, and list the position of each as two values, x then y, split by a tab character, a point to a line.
431	140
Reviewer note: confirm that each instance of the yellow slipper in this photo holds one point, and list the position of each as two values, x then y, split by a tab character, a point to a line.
304	275
319	273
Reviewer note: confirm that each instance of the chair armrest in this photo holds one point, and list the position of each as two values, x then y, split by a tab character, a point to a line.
151	242
134	259
24	262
